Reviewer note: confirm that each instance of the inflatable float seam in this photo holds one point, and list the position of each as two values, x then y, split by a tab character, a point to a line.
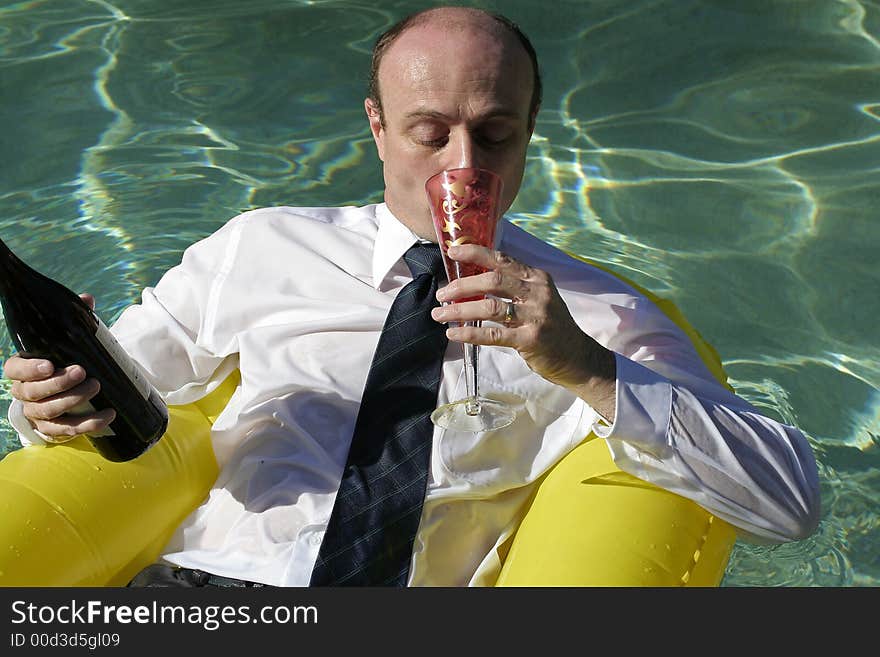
698	552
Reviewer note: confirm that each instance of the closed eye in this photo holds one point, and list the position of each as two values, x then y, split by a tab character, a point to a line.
437	143
492	140
495	133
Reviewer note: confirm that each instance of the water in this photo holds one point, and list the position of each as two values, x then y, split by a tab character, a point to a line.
722	153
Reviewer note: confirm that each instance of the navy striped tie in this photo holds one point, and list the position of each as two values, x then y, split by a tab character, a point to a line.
376	514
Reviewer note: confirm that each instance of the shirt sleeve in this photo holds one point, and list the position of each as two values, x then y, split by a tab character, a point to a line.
707	444
675	425
170	332
27	434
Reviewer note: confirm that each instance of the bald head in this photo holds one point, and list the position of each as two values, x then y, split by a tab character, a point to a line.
497	28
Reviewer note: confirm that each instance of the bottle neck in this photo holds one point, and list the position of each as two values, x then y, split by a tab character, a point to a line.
10	267
16	276
4	250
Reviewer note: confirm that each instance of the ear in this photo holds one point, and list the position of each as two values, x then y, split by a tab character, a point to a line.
376	127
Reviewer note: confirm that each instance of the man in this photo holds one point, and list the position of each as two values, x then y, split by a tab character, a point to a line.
295	298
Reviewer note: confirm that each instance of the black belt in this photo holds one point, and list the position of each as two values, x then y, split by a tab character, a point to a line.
161	575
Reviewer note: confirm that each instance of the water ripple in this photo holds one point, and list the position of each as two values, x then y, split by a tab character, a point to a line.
722	154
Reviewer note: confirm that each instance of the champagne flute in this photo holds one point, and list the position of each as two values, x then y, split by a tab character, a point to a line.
465	209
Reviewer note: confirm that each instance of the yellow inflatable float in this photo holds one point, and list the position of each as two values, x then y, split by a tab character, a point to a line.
71	518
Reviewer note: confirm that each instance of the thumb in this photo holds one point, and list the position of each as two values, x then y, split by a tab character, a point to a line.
89	299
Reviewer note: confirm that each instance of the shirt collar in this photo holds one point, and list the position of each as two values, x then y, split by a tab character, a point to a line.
393	239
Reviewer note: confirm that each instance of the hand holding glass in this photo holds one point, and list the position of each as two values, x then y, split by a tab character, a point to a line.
465	209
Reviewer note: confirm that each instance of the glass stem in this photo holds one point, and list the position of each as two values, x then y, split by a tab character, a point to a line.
471	357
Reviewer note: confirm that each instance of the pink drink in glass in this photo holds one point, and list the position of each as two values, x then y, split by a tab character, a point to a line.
464	207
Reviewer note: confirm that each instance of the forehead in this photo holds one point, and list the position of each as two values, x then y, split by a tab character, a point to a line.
441	68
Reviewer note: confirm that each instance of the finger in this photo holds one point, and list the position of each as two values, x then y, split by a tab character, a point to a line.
473	253
483	257
17	368
62	429
64	379
506	277
496	283
483	335
89	299
489	309
65	402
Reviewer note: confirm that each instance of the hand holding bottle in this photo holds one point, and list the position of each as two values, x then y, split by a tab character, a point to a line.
71	373
51	396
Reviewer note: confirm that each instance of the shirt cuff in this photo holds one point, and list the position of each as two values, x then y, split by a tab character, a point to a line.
643	408
27	435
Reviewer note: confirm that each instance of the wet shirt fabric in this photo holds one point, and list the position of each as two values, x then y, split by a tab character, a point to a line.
295	298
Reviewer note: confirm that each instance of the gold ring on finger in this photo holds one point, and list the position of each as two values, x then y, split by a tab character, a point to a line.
509	314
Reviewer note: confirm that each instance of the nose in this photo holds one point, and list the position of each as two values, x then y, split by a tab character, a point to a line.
464	152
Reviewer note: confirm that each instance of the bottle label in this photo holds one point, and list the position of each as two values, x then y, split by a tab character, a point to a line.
131	368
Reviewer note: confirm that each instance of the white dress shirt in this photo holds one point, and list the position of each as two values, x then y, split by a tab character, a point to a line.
295	298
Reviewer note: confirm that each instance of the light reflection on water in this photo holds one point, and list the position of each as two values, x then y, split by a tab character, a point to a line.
723	154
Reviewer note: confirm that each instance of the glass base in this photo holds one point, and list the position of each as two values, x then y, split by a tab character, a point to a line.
492	415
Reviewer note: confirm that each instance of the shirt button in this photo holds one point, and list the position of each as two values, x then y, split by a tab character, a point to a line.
316	539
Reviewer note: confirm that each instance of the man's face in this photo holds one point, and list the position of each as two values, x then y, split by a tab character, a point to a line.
451	98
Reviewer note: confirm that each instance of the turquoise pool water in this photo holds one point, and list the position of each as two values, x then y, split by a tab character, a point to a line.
722	153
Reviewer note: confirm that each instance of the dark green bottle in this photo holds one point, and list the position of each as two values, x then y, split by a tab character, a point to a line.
47	320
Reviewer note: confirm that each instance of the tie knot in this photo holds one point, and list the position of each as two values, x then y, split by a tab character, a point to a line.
424	259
